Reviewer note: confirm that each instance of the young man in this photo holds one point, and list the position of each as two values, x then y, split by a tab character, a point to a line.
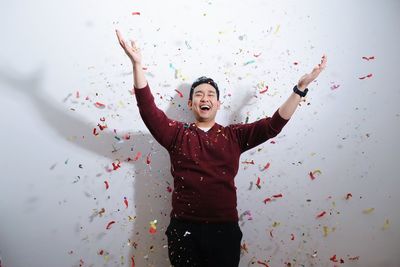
204	229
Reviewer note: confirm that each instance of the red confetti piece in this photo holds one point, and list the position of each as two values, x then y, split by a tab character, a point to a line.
258	183
169	189
95	132
109	225
133	262
333	258
103	119
276	196
126	202
349	195
116	166
368	58
265	90
267	166
102	127
138	155
148	159
99	105
291	236
127	136
180	93
267	200
152	230
273	142
106	183
248	162
321	214
136	13
296	63
368	76
101	252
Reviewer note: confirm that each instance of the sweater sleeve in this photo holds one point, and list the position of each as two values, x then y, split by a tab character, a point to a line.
253	134
160	126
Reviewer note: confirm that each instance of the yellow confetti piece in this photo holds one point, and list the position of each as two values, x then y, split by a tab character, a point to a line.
277	28
386	225
122	260
326	231
368	211
276	224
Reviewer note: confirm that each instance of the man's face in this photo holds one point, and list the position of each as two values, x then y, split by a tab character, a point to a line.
204	103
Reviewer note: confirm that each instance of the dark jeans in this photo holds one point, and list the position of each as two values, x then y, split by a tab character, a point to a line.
193	244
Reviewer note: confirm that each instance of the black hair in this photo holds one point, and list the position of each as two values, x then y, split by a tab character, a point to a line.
203	79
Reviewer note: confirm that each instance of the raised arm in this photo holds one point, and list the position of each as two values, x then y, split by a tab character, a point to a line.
133	52
289	107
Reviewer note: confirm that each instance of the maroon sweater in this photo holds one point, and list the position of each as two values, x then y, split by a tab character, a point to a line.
204	164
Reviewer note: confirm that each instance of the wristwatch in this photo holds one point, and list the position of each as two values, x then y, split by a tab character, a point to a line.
300	93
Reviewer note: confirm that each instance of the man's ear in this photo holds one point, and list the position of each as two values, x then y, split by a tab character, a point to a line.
190	104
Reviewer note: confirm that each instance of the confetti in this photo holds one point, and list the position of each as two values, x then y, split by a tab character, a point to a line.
248	162
265	90
109	225
102	127
386	225
368	76
249	62
291	236
126	202
257	55
276	196
136	13
179	92
153	227
106	183
95	133
335	86
258	183
321	214
99	105
117	165
266	166
348	196
368	58
138	155
133	262
148	159
354	258
368	211
312	174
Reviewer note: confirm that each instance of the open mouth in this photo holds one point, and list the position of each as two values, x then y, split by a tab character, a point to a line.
205	107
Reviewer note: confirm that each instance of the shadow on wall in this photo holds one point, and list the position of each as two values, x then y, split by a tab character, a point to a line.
152	201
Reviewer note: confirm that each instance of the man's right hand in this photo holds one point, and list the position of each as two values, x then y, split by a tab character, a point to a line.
132	50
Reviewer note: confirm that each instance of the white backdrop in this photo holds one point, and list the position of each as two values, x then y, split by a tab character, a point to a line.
58	58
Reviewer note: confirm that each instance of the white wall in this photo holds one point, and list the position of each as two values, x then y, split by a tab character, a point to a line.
53	168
